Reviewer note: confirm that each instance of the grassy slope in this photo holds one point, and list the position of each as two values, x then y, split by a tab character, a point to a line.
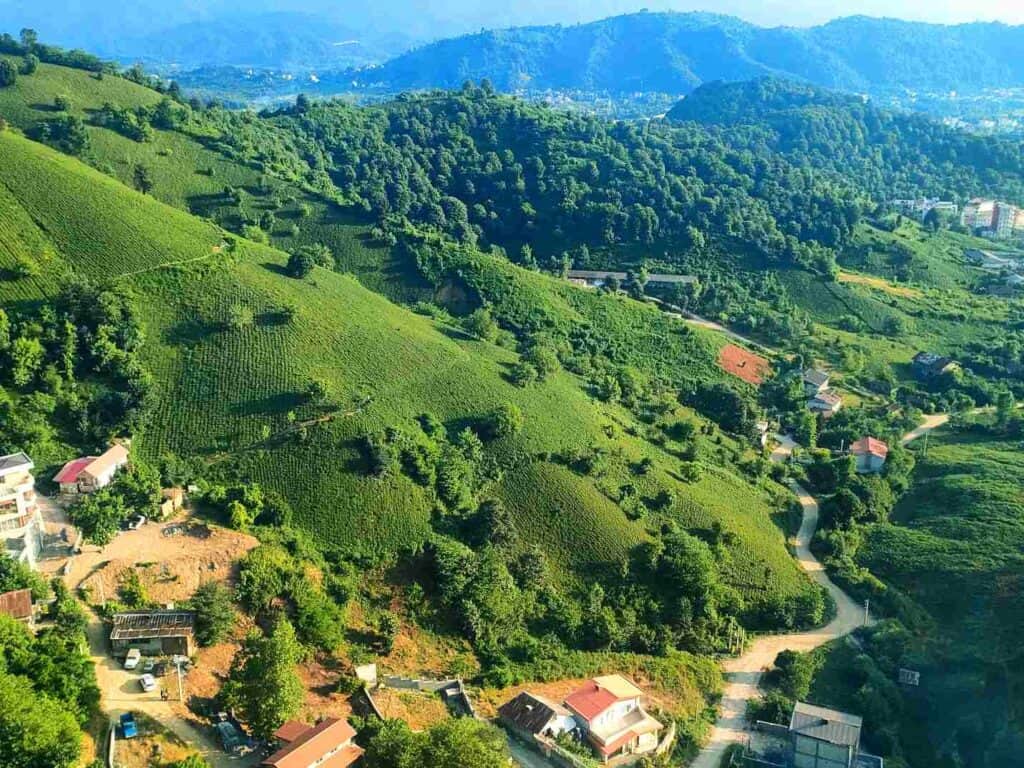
957	541
956	548
218	388
937	311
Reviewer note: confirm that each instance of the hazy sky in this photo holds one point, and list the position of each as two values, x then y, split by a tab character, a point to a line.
84	22
775	12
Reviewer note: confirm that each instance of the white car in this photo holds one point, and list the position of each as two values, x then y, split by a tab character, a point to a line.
131	661
148	683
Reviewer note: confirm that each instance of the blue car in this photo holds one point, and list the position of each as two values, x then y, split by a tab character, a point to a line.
128	728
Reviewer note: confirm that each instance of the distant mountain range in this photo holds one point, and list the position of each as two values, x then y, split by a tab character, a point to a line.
268	40
676	52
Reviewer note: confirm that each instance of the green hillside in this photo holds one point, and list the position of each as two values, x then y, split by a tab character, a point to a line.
218	389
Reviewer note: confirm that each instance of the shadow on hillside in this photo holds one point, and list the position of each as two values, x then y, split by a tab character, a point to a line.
40	107
190	332
277	269
457	334
274	404
273	318
206	205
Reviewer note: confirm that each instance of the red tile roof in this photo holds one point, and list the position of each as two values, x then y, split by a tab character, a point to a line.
69	472
315	743
590	700
17	604
870	445
743	364
291	730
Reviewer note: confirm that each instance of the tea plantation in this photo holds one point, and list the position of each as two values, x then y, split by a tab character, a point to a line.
232	394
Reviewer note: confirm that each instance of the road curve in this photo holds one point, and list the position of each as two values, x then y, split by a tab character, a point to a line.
743	673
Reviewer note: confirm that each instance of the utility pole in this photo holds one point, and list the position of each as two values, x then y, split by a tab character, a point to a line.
181	693
867	618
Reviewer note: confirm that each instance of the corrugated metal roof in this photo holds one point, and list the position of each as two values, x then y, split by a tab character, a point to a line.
17	604
825	724
137	625
531	713
816	377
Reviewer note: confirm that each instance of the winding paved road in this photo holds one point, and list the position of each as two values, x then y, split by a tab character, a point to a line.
743	673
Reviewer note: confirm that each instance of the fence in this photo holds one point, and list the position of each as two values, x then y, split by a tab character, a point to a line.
417	684
111	746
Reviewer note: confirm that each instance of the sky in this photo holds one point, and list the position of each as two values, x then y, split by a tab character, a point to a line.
94	22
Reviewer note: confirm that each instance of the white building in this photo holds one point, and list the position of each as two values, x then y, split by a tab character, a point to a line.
920	207
826	403
91	473
610	715
21	524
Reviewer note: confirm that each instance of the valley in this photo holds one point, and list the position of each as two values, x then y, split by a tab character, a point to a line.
348	334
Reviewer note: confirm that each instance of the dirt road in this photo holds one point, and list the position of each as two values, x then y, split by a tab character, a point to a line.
743	674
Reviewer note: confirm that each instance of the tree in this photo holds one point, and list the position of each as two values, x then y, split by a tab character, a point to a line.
497	524
8	73
302	261
62	103
465	743
29	64
240	316
481	324
99	516
505	421
215	613
26	359
316	391
263	684
142	179
17	575
387	630
544	359
35	730
29	38
192	761
456	743
240	517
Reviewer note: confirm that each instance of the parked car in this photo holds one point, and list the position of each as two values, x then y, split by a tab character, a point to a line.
128	728
136	522
148	665
148	683
160	669
231	740
131	661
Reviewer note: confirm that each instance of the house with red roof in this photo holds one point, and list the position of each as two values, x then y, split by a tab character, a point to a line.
612	718
869	454
90	473
325	745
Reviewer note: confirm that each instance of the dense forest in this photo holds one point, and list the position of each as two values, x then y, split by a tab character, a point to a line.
676	52
889	155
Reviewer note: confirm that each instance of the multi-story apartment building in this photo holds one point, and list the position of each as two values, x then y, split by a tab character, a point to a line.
21	524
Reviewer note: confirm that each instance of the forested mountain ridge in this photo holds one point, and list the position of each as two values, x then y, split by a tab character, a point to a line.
676	52
886	153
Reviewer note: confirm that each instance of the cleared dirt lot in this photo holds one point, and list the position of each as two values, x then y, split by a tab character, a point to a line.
170	567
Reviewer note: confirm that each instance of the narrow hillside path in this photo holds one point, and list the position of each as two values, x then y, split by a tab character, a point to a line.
743	673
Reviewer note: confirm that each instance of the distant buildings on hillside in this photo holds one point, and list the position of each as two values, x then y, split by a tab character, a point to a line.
992	218
982	216
922	205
